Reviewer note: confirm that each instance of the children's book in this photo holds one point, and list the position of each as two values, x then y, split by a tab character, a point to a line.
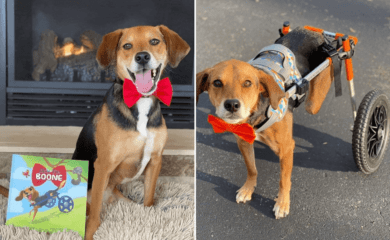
48	194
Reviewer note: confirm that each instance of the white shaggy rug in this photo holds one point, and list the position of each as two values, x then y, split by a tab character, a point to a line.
172	216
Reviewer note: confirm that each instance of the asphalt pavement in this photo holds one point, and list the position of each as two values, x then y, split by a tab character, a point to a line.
330	198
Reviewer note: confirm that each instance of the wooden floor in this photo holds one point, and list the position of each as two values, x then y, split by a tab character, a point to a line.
63	140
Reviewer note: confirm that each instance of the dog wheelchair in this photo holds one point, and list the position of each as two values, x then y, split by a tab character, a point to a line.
371	125
65	203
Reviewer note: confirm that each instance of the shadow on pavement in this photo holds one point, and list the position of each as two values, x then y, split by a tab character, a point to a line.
228	191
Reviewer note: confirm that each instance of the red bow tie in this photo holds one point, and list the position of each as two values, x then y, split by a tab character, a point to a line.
243	130
163	92
40	175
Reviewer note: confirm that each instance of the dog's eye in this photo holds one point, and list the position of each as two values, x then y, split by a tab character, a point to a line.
217	83
154	41
127	46
247	83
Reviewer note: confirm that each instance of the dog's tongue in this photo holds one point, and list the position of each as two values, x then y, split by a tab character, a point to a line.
29	197
144	82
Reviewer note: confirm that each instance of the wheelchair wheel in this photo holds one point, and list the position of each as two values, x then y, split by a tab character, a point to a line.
371	131
65	204
50	202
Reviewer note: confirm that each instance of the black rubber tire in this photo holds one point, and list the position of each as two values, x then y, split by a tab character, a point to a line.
369	154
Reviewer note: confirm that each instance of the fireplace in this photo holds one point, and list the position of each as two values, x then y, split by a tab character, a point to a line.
50	75
69	61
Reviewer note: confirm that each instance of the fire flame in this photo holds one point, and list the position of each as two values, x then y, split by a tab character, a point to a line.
68	49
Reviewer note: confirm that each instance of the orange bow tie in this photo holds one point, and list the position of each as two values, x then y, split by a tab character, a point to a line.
243	130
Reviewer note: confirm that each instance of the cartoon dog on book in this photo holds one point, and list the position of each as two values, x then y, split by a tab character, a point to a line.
36	200
126	135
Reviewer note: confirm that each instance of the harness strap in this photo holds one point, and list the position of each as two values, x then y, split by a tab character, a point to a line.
337	75
337	70
281	71
266	123
285	69
331	50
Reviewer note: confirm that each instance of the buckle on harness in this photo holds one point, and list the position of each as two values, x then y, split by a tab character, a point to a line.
303	87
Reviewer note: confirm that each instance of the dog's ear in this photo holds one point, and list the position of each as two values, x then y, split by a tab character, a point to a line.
202	82
269	88
106	53
20	197
177	48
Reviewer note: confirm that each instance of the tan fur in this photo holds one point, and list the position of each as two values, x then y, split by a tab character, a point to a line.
279	136
233	74
318	89
172	48
176	47
119	151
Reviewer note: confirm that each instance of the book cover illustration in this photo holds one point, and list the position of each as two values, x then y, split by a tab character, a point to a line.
48	194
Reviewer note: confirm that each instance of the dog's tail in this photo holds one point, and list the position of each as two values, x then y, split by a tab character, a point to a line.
62	184
4	191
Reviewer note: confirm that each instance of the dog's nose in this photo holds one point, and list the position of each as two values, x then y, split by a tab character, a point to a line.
232	105
142	57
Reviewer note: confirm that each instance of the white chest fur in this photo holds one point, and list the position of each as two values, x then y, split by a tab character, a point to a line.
143	106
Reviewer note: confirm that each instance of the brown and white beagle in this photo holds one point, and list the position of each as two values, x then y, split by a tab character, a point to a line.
241	93
121	142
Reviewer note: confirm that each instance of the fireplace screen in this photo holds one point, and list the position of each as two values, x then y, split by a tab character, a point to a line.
57	41
68	61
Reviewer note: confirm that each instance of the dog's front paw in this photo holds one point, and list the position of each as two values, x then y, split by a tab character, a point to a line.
92	226
281	208
244	194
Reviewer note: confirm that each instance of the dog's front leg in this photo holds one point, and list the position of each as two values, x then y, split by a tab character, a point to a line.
283	146
99	185
282	205
152	171
245	192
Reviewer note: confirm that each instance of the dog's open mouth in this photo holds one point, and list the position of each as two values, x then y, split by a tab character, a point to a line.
29	196
146	79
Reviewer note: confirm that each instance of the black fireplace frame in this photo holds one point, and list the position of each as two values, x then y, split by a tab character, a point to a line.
9	85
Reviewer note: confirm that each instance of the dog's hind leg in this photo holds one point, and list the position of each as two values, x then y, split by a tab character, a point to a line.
35	213
318	89
245	192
